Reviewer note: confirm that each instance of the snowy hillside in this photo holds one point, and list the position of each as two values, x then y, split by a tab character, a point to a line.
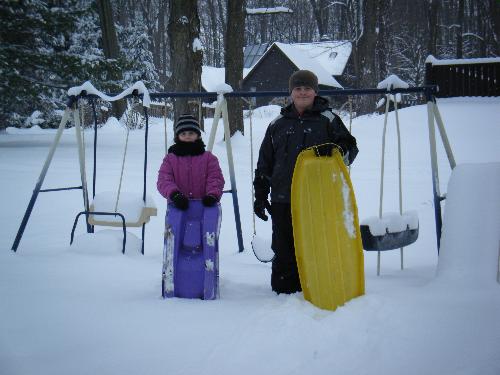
89	309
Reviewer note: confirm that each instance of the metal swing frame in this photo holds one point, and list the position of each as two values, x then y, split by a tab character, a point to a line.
89	211
72	109
433	115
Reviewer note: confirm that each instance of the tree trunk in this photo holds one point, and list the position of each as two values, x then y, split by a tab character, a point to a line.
263	24
214	33
365	55
433	11
111	50
185	58
223	21
460	37
383	43
321	13
495	21
233	59
160	42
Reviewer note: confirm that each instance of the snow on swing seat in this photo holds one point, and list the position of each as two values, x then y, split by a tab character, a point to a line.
130	205
391	231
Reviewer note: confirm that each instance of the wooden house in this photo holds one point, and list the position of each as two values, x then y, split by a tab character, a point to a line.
327	59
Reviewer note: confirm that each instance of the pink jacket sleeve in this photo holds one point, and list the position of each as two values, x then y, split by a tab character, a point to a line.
215	179
166	184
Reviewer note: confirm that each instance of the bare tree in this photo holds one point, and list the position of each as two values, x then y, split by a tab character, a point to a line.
321	14
233	60
185	53
494	8
460	33
212	32
409	34
384	41
433	11
365	52
161	41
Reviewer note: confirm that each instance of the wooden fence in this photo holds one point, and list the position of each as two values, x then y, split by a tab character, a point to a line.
467	77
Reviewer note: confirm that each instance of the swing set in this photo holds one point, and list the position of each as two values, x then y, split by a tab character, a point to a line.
388	231
113	217
372	240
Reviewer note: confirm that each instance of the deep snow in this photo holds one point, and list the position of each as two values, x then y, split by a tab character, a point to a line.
89	309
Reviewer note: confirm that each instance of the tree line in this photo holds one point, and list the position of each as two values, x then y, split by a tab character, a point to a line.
47	46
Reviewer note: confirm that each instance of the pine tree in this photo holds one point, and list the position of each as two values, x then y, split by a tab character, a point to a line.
33	39
138	58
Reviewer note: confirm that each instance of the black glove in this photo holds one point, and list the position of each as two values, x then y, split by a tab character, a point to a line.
180	200
260	207
209	200
324	150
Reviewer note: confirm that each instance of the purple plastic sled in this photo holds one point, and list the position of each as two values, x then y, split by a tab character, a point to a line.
191	252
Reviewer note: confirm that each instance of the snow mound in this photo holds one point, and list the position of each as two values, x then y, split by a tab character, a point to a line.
471	227
268	111
106	242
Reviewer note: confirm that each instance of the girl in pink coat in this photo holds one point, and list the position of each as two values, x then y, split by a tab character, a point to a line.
188	171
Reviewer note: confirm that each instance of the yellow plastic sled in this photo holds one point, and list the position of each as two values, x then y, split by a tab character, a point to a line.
326	231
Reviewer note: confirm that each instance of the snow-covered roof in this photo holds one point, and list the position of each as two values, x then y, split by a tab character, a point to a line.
212	77
310	58
326	59
331	55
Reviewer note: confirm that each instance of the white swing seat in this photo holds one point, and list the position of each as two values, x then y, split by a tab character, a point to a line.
130	205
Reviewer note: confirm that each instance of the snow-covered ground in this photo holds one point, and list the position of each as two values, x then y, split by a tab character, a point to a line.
88	309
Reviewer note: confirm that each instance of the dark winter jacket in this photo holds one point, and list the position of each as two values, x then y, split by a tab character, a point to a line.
190	169
287	136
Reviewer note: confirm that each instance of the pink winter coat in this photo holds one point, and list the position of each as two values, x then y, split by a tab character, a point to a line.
194	176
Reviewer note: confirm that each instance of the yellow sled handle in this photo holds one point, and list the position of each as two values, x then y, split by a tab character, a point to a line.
326	149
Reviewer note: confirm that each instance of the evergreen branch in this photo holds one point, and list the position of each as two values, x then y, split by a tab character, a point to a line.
46	84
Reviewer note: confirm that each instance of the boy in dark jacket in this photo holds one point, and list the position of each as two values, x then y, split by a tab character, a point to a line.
306	122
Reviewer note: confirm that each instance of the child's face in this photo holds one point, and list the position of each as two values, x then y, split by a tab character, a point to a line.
188	136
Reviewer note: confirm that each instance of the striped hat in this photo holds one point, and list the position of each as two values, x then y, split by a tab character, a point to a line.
187	122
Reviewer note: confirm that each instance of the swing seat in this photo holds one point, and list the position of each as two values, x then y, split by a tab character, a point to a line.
130	205
391	231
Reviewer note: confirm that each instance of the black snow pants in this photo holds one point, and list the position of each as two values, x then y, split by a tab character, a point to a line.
285	275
